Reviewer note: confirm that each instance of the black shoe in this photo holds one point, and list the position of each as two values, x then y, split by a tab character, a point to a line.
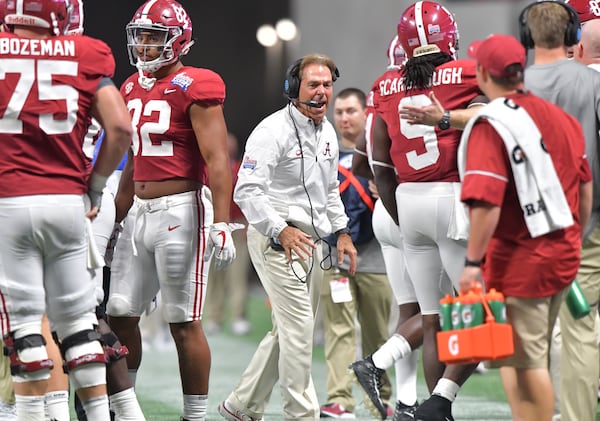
404	412
436	408
369	378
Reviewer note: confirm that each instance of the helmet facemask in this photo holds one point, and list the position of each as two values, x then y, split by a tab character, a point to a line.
160	37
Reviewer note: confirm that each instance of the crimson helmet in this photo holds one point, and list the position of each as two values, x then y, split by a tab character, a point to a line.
586	9
395	54
76	22
169	21
427	27
50	14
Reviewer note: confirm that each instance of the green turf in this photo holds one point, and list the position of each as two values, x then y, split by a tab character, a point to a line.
159	390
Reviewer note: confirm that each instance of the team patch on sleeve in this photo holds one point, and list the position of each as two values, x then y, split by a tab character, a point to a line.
248	164
182	80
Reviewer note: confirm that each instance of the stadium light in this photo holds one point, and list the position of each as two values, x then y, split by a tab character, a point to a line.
286	29
266	35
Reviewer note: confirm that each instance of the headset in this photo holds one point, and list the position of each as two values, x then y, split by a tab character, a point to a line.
572	33
291	85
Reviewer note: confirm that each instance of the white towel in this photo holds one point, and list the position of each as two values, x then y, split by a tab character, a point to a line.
542	199
458	229
94	258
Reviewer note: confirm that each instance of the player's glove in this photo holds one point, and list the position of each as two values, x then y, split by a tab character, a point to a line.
220	244
95	186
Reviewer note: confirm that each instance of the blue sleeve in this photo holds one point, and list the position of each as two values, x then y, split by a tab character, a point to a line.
97	149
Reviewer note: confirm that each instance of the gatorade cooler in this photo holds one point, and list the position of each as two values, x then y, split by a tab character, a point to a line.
487	341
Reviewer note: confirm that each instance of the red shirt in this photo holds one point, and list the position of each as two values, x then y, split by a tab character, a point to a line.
164	143
46	92
423	153
515	263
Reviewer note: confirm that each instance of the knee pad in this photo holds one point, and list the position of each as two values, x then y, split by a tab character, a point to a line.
84	359
28	357
113	353
118	306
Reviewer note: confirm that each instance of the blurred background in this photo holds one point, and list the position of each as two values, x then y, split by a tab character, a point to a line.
355	33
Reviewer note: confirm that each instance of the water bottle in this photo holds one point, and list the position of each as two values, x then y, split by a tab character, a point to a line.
472	310
496	303
446	312
576	301
455	313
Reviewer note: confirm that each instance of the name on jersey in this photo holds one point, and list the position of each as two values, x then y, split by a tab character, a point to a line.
446	76
37	47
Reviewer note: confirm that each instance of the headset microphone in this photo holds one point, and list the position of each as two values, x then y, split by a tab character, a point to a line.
313	104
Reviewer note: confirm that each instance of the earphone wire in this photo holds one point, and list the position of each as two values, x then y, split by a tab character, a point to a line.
326	263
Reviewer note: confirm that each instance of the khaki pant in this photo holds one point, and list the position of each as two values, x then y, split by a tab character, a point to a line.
285	353
7	393
371	302
579	365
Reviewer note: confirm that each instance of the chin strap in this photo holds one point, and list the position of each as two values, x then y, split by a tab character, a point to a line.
145	82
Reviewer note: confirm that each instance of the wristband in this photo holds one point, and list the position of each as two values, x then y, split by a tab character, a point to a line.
97	182
342	231
473	263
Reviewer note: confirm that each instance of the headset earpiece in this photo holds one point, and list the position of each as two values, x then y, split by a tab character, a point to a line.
572	32
291	85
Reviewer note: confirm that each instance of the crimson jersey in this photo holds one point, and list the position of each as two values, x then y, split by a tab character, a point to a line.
423	153
164	143
516	264
388	78
46	92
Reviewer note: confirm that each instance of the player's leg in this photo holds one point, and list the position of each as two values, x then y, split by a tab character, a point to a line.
57	395
183	282
133	284
397	350
374	298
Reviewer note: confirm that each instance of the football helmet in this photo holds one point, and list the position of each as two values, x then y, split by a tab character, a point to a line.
586	9
51	14
76	22
395	54
160	24
427	27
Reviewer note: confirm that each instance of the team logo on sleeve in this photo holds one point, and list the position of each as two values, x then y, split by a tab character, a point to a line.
249	164
128	88
182	80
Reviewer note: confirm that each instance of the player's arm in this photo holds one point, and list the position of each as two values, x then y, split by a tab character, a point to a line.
124	196
385	174
360	162
110	110
210	129
432	114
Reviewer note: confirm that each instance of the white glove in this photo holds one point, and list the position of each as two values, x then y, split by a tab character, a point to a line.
220	243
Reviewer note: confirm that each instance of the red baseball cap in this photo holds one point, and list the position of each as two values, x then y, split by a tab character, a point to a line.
497	52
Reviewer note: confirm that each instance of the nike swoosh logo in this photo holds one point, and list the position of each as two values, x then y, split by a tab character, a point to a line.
168	91
222	234
171	228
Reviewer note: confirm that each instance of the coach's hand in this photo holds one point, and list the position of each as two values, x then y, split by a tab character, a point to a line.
220	244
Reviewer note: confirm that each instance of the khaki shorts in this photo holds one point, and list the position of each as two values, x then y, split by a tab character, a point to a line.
532	320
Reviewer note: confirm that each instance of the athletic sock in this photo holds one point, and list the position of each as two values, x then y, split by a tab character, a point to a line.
406	378
57	405
126	406
194	407
96	409
395	348
30	408
446	388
